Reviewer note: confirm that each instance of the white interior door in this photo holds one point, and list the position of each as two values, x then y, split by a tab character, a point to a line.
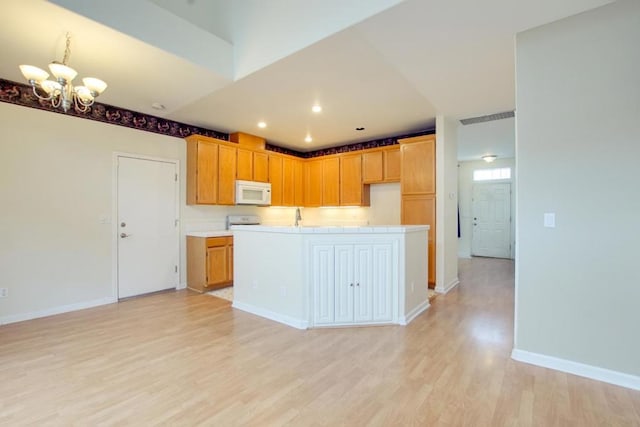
147	226
491	220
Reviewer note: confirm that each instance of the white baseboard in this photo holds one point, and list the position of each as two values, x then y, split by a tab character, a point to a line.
181	286
268	314
576	368
56	310
405	320
448	287
464	256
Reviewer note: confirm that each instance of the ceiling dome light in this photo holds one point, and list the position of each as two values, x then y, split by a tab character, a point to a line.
262	125
489	158
316	108
308	138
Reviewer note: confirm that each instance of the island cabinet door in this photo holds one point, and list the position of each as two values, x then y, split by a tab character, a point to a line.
373	290
323	282
364	280
345	284
382	282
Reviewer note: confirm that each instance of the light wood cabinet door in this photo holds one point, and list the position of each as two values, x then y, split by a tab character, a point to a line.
372	167
226	175
392	165
275	177
351	187
288	182
260	167
230	261
419	210
418	167
313	183
202	173
217	265
298	183
331	181
244	164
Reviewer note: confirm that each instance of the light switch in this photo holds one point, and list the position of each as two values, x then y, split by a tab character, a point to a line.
550	220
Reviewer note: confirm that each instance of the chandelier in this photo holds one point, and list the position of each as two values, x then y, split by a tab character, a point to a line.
61	92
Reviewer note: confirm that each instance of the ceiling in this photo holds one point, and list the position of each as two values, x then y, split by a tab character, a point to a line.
389	66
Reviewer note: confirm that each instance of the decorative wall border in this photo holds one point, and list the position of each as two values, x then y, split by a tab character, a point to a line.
22	94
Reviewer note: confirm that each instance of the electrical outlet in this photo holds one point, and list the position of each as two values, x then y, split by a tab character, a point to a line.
412	287
254	284
283	291
4	292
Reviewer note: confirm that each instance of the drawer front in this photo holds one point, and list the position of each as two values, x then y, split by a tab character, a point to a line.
219	241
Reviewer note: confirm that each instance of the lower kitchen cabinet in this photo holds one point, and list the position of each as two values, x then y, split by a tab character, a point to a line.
353	283
209	262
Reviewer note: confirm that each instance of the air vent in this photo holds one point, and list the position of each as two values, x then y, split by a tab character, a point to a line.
489	118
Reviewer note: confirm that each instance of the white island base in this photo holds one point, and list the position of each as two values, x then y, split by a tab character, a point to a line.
331	276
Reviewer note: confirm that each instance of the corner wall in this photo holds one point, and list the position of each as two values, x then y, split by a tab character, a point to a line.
578	133
446	203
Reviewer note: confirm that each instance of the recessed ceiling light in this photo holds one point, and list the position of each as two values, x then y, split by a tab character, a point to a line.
262	125
158	106
316	108
308	138
360	128
489	158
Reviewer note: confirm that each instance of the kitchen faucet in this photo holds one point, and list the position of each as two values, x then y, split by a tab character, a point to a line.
298	217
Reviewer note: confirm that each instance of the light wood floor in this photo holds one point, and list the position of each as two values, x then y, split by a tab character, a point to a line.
182	358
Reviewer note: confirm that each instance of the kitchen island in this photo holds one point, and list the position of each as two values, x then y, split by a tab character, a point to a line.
331	276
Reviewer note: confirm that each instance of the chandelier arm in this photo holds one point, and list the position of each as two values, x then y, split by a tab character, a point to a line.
35	92
81	105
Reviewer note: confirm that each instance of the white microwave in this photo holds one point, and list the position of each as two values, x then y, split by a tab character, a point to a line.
253	193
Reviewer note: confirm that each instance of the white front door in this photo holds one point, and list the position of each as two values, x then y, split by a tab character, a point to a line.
147	225
491	220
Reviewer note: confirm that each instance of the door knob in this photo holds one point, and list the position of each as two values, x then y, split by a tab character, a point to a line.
123	235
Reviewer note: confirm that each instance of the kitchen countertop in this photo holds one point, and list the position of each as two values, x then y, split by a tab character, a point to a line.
214	233
332	229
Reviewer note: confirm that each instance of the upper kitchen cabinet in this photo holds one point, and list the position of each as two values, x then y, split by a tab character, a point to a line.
275	178
244	164
202	171
352	190
226	175
260	167
381	165
331	181
298	179
418	173
313	183
252	165
392	164
288	181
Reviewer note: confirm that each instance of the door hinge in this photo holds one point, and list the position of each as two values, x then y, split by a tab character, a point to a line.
176	269
176	177
175	223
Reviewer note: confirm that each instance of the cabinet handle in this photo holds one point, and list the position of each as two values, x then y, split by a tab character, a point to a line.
357	284
351	284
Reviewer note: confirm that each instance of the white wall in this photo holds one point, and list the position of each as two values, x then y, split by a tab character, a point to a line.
262	34
465	193
446	203
578	133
